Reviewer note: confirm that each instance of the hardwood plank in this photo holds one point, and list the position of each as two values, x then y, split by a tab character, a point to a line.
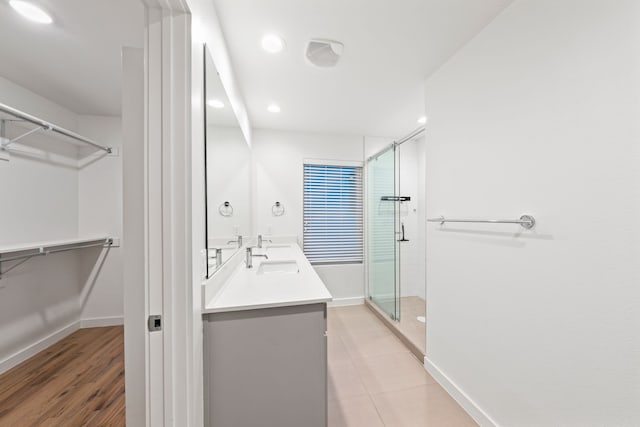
78	381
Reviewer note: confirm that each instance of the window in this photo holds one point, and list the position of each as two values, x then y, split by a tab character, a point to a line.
333	214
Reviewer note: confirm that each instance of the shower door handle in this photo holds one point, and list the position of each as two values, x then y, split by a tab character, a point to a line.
402	239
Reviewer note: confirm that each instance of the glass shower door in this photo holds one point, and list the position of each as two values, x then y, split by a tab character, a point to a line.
383	217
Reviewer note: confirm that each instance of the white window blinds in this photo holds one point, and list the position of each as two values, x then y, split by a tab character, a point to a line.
333	229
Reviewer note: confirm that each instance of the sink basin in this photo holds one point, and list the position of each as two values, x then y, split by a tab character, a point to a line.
278	245
280	266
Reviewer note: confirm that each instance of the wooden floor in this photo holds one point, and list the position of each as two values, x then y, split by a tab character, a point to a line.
77	382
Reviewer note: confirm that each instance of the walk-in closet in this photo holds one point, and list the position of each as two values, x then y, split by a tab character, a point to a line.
61	215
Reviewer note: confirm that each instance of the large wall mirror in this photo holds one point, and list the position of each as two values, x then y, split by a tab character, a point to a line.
227	173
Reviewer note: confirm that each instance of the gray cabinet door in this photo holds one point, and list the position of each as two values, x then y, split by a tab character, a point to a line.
266	367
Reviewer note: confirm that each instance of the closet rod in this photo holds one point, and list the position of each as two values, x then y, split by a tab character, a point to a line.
50	126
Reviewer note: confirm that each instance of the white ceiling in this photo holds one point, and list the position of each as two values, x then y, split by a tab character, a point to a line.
75	61
376	88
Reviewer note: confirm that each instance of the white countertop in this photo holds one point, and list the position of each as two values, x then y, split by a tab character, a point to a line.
247	290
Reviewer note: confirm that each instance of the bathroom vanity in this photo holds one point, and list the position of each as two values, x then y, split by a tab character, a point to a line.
265	348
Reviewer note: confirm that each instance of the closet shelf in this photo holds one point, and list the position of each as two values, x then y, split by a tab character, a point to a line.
52	244
40	125
25	252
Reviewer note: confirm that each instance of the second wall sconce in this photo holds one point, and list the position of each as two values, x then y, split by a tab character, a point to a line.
277	209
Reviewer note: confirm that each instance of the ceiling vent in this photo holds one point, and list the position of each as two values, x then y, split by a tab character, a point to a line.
324	53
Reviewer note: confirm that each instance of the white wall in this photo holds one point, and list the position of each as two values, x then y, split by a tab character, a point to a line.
22	99
412	214
133	226
539	114
278	160
100	213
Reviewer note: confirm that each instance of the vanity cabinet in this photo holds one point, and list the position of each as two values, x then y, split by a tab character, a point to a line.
266	367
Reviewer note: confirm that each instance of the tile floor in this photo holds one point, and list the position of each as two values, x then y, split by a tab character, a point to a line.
375	381
409	325
414	330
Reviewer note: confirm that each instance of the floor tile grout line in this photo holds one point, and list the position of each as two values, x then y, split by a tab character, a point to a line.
350	347
362	382
368	391
373	402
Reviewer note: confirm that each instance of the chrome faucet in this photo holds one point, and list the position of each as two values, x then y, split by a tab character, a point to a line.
239	241
260	240
250	255
218	256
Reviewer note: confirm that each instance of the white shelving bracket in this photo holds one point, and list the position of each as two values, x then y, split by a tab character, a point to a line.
34	130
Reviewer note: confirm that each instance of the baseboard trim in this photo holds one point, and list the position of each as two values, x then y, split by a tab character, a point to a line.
342	302
101	322
35	348
393	327
472	408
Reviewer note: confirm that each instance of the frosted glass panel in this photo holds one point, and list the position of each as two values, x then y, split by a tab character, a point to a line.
382	218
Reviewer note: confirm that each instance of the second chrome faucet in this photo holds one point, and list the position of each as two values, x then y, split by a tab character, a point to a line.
260	240
250	255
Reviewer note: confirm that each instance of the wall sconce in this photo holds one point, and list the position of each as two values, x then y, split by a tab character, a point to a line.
226	209
277	209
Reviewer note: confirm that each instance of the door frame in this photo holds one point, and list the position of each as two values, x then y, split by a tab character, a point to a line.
158	273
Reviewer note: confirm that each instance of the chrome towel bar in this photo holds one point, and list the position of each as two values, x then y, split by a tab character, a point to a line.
526	221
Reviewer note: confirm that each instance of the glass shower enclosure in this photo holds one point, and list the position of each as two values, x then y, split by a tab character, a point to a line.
396	261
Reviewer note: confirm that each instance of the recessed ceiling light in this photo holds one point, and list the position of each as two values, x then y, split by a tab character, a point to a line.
422	120
272	43
215	103
273	108
31	11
